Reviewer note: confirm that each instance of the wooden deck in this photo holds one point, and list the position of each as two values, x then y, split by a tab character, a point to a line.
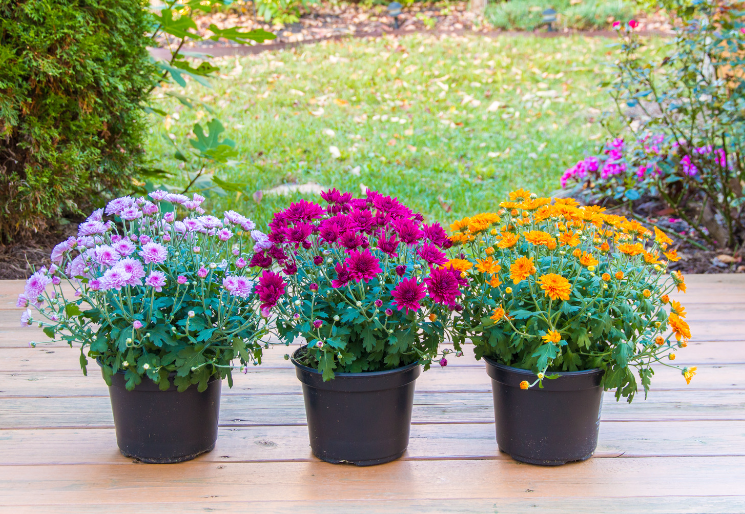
682	450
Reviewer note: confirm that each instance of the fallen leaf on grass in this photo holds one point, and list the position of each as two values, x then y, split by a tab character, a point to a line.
727	259
445	206
335	153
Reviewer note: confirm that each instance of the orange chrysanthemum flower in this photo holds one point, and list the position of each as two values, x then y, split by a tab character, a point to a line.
679	327
619	275
665	298
688	373
487	266
552	337
498	314
555	286
604	247
661	237
461	265
651	258
672	255
588	260
631	249
490	251
679	281
531	205
460	225
569	239
659	340
494	282
538	237
521	269
606	277
508	240
678	309
577	253
520	195
524	384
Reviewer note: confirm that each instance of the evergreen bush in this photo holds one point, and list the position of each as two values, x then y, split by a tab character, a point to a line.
74	75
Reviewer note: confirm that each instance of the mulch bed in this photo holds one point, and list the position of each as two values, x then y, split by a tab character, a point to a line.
325	21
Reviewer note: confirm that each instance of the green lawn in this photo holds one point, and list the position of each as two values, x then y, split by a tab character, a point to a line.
447	125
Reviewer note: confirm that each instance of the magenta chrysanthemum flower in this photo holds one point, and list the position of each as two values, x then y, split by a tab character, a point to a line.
430	253
351	241
390	206
156	280
134	268
342	276
407	295
261	259
388	245
442	286
154	253
299	233
182	280
408	231
36	283
270	289
436	234
302	211
362	265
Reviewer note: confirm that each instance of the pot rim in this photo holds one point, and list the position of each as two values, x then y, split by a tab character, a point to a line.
353	375
522	371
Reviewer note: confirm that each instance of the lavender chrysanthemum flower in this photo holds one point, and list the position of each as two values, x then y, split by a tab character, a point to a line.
90	228
158	195
224	234
59	251
94	285
154	253
210	222
26	318
118	205
131	214
240	220
137	324
76	268
36	283
149	208
96	215
182	280
156	280
134	268
442	286
106	255
363	266
240	263
176	198
202	272
124	247
262	241
22	300
407	295
114	278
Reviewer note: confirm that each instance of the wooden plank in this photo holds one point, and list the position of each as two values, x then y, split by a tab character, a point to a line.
288	409
433	442
272	380
576	505
210	483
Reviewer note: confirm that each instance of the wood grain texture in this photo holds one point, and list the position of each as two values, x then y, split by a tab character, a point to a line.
680	451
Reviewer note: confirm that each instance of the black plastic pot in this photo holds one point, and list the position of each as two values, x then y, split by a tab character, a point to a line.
162	427
359	418
549	426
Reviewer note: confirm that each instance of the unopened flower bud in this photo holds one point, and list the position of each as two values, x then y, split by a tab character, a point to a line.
125	364
336	318
146	366
191	314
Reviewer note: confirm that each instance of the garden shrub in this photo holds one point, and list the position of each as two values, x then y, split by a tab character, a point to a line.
73	78
686	126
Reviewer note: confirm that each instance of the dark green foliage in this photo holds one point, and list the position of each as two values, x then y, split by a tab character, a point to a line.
73	78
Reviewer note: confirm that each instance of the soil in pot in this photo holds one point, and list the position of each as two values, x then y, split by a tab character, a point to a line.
549	426
358	418
162	427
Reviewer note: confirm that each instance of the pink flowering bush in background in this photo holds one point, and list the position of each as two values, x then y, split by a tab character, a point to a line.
364	282
152	294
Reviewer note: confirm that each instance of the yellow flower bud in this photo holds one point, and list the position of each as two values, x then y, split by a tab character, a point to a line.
508	290
524	384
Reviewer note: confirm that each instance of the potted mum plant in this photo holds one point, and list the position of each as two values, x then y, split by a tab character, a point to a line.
163	305
366	289
563	302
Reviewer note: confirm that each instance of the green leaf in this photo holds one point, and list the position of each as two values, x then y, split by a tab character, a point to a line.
49	332
234	34
179	28
368	339
71	310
